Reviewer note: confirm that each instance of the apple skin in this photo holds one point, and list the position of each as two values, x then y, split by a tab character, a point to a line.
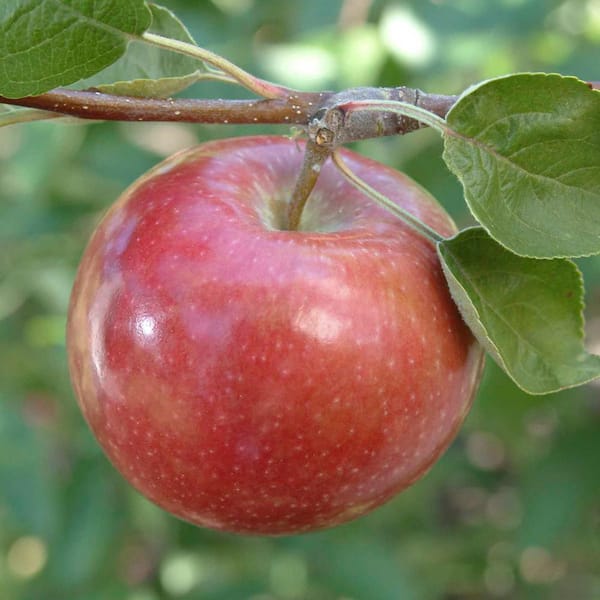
262	381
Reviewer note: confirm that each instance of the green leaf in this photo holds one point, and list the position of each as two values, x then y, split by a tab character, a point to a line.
49	43
527	150
149	71
527	313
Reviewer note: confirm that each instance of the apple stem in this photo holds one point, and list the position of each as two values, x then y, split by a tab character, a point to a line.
314	158
409	219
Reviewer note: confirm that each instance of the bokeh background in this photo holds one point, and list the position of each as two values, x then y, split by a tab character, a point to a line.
513	508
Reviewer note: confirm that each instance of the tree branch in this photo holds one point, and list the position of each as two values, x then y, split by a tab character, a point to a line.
295	109
307	109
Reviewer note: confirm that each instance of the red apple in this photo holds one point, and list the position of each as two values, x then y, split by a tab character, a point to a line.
257	380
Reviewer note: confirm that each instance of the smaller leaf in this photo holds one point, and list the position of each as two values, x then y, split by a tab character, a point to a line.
148	71
526	149
527	313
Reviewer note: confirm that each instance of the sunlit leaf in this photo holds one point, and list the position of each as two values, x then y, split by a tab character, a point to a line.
49	43
527	150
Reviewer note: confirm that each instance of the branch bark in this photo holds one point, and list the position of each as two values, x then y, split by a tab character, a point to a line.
96	105
311	110
297	108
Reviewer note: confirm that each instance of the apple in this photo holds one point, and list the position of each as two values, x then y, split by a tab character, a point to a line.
256	380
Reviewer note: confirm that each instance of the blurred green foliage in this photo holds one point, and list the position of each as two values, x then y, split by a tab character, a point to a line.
513	508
